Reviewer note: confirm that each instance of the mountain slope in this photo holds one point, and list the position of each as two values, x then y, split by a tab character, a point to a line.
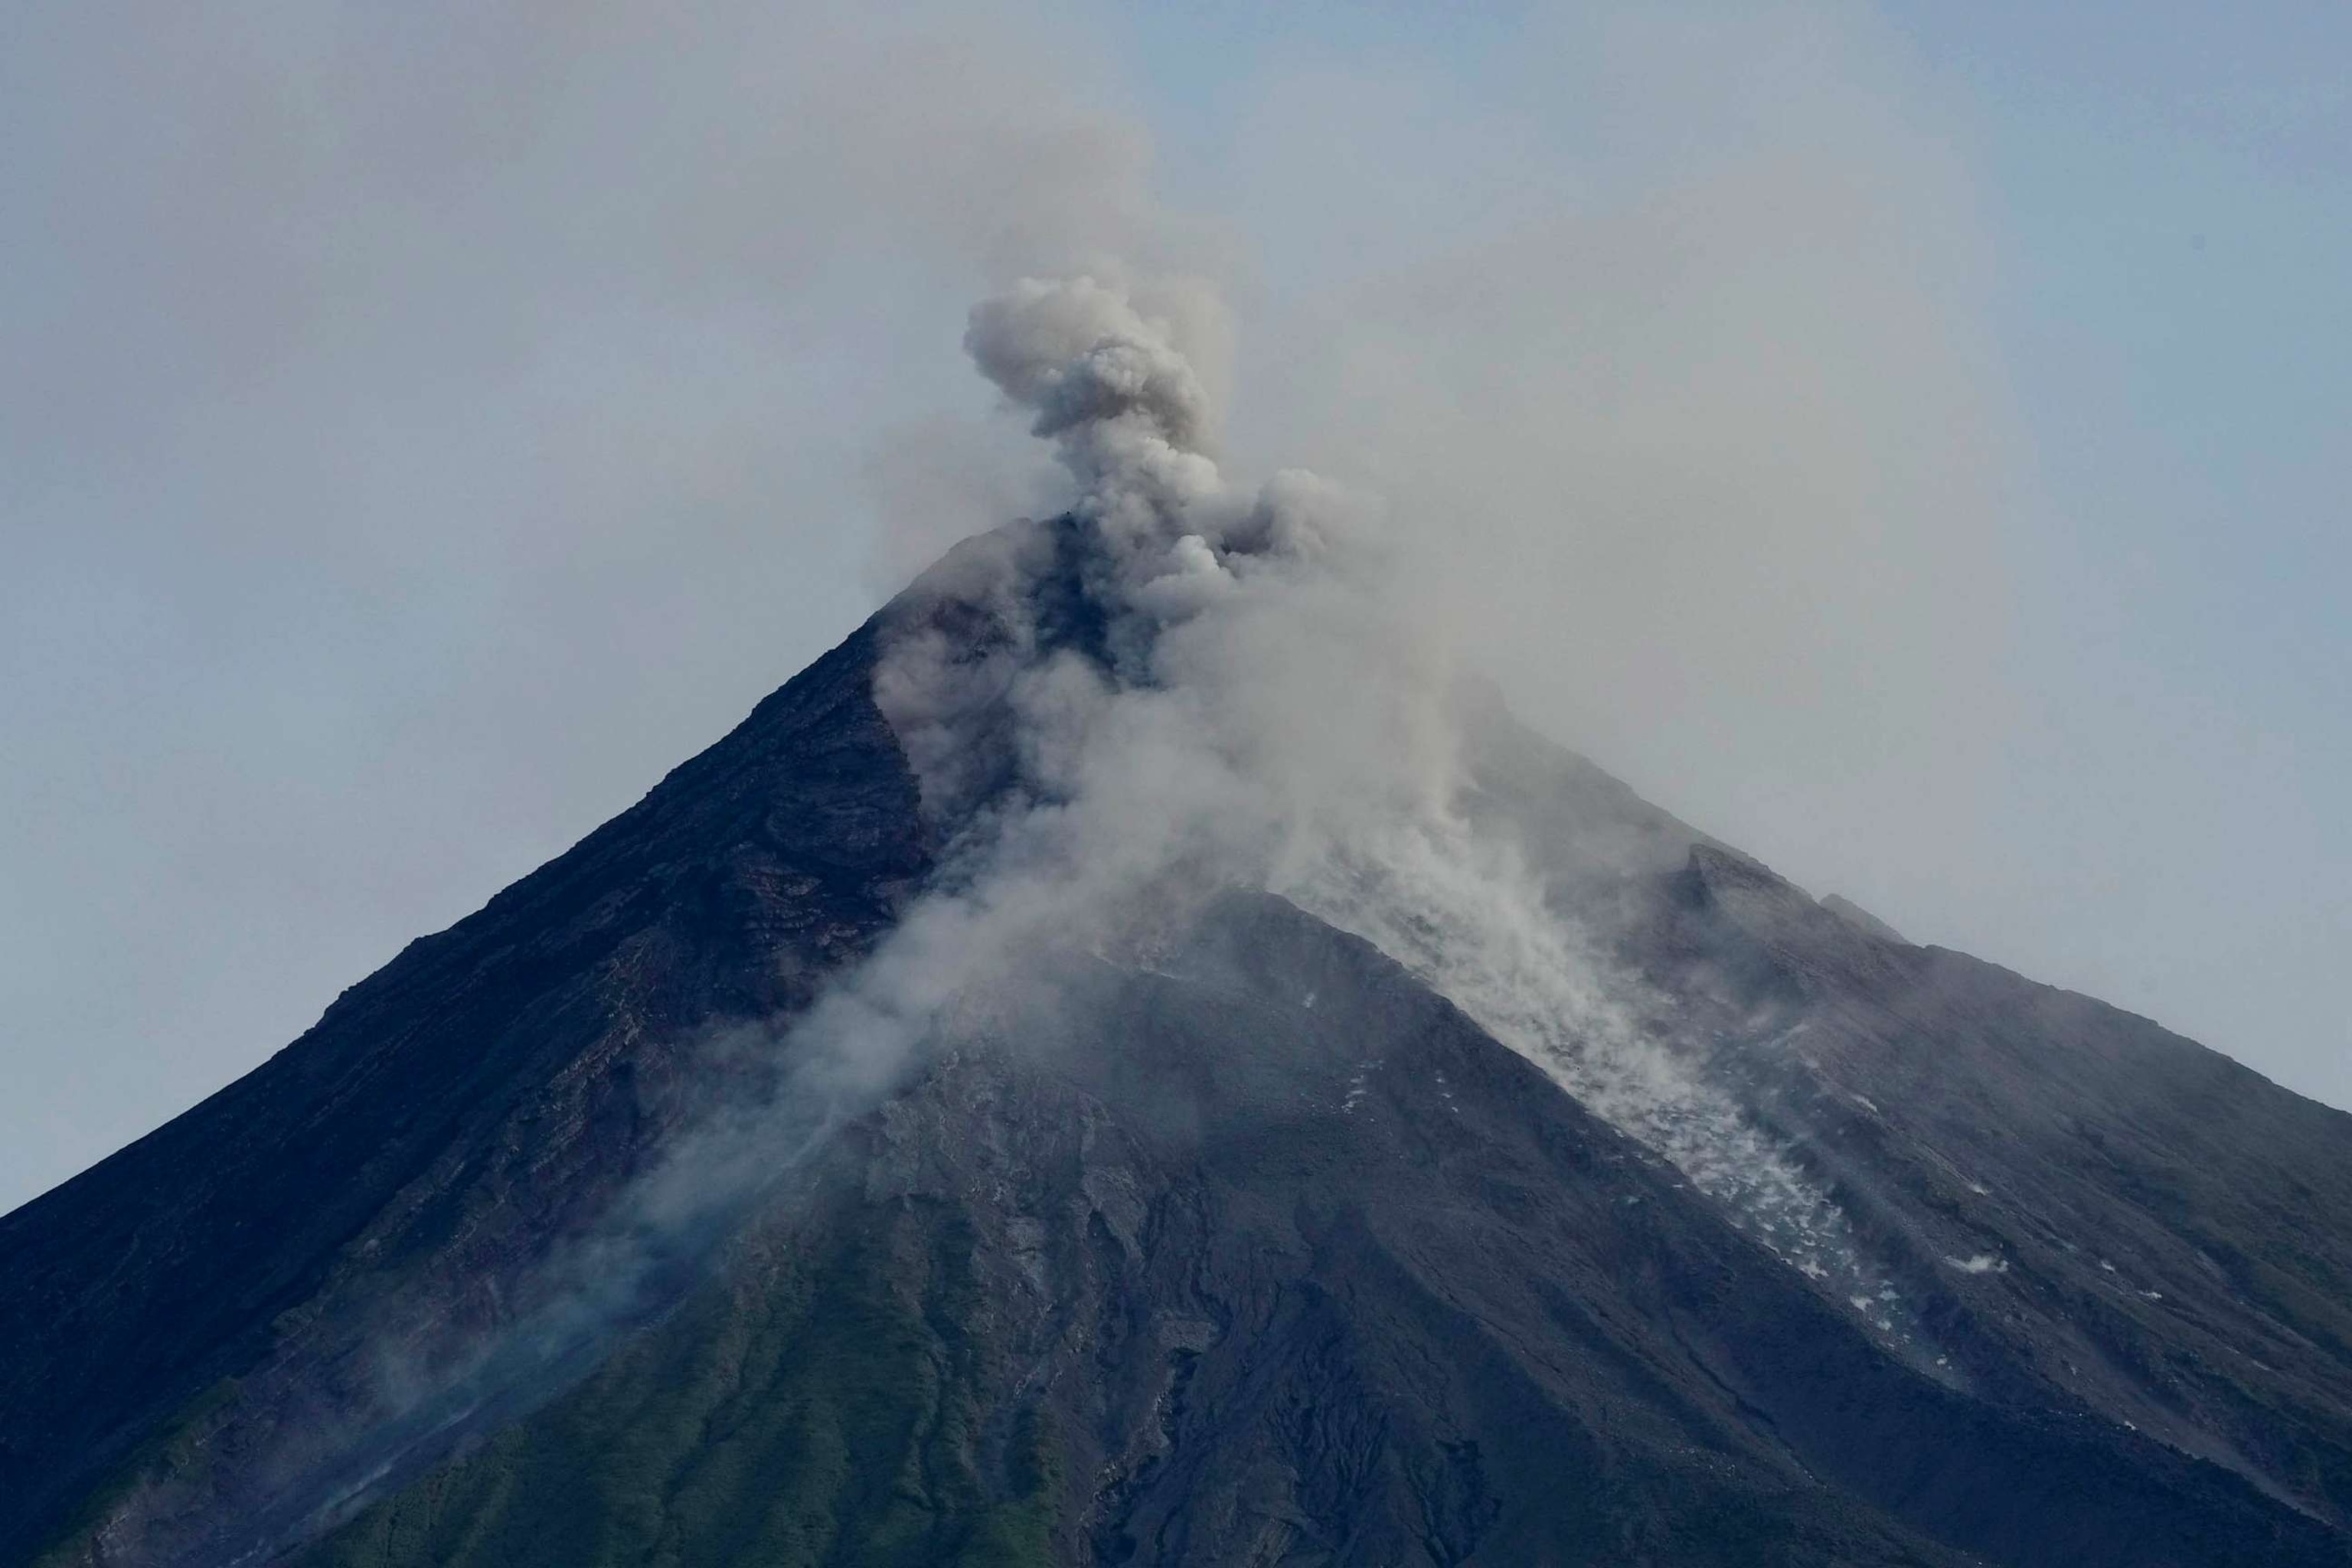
2124	1220
452	1115
1305	1268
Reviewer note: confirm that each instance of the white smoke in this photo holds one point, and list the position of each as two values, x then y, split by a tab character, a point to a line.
1268	711
1110	387
1108	381
1217	602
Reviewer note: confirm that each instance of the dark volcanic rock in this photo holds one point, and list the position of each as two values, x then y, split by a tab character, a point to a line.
449	1117
1307	1269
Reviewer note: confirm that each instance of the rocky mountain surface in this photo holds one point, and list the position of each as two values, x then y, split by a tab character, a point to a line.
1252	1247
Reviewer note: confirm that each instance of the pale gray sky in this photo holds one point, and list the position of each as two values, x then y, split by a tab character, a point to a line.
1906	440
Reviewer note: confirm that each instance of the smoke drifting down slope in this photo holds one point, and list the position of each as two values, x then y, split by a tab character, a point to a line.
1245	696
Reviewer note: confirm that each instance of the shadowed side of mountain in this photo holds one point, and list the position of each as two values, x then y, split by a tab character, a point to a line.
451	1116
1262	1253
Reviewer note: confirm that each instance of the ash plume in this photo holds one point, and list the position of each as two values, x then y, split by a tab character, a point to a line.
1107	387
1268	708
1108	382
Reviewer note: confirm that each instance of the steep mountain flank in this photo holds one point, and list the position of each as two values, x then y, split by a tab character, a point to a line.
1264	1254
2118	1219
447	1120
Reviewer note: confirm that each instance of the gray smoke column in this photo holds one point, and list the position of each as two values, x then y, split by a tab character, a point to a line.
1213	599
1271	708
1112	386
1108	387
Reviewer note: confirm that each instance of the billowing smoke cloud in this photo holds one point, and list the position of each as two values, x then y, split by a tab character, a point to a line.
1115	392
1210	602
1267	706
1110	387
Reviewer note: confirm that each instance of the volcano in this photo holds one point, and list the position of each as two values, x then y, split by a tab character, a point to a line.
1135	1058
1252	1245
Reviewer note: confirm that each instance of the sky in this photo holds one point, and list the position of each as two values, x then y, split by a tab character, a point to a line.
1903	440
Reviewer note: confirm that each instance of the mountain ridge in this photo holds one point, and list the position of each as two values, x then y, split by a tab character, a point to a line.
309	1091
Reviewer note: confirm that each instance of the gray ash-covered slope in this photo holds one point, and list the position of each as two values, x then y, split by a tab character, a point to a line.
2104	1215
1253	1249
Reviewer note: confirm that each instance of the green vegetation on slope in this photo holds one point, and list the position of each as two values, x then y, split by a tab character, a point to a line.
826	1413
175	1451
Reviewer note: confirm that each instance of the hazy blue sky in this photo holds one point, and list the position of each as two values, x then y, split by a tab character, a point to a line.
2165	195
1910	441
